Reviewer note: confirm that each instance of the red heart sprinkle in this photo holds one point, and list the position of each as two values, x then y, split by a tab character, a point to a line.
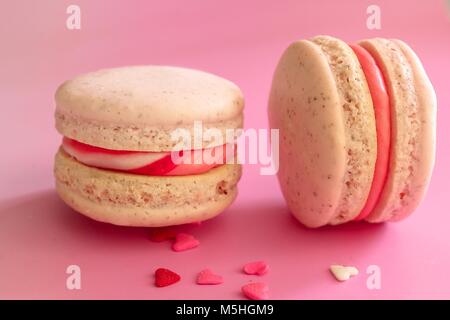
184	241
208	277
256	268
165	277
256	291
162	234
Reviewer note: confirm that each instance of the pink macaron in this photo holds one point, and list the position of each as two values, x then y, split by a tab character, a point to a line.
120	160
357	130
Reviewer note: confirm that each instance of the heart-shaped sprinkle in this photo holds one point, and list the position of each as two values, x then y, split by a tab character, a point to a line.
208	277
256	268
184	241
162	234
343	273
256	291
165	277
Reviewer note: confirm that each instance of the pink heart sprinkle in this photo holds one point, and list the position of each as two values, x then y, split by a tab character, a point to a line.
162	234
165	277
208	277
184	241
256	268
256	291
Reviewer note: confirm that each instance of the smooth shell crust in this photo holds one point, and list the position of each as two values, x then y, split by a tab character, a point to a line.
137	108
413	122
134	200
321	104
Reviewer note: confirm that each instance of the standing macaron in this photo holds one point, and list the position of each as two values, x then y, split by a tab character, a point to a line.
357	130
116	163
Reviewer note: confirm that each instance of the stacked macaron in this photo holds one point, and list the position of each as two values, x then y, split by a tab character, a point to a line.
357	130
120	161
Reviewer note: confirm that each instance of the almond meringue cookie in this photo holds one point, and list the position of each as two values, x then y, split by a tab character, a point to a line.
357	130
116	161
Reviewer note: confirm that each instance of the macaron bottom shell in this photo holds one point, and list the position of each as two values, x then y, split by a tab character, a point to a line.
413	129
151	201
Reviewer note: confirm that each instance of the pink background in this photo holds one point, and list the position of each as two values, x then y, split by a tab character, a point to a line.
40	236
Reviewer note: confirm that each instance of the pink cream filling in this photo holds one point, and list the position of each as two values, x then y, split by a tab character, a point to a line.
380	99
151	163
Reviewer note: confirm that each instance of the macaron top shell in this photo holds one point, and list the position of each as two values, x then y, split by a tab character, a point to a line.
321	103
413	121
137	108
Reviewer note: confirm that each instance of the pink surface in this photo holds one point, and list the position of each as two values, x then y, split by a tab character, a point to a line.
40	236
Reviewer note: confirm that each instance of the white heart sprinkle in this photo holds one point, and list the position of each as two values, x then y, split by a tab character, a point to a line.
343	273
